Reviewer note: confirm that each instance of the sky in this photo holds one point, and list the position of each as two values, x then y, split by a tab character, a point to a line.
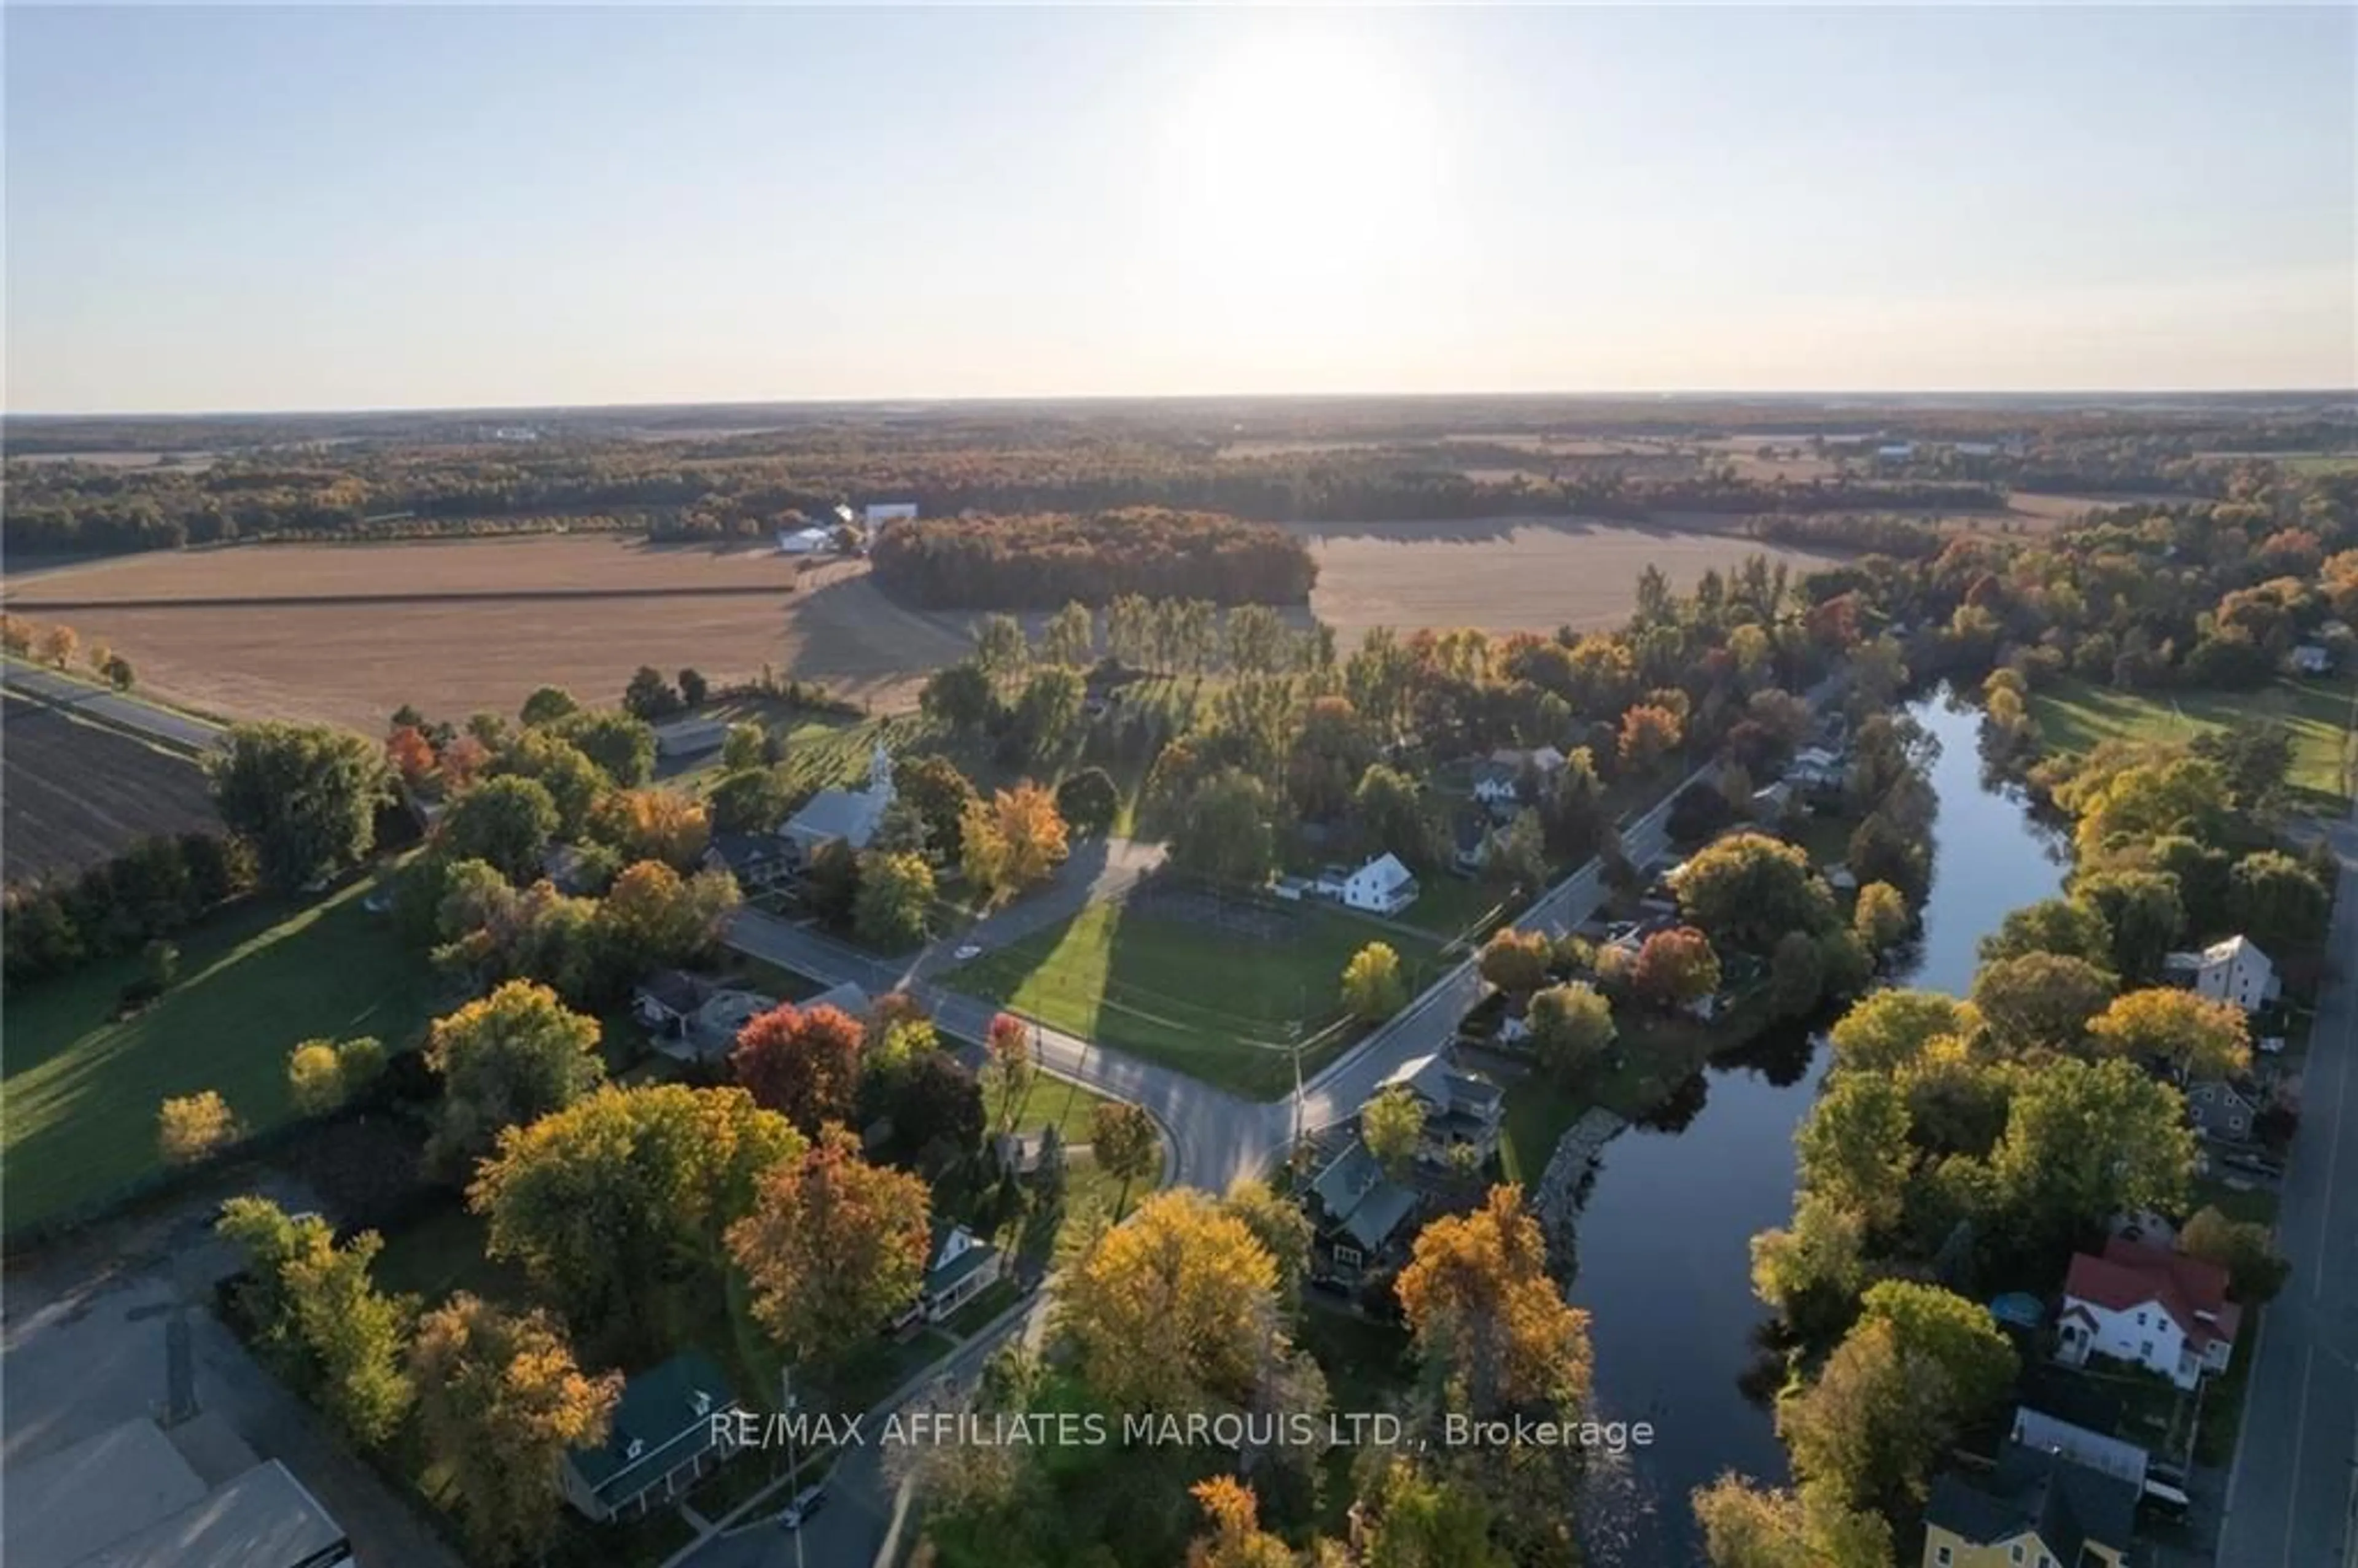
332	207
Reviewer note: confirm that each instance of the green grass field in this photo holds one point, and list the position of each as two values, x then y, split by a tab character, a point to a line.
81	1091
1213	1004
2076	718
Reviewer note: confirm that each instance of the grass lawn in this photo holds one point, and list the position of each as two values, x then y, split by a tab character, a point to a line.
81	1090
2074	717
1537	1113
1045	1100
1450	907
1207	1003
2253	1205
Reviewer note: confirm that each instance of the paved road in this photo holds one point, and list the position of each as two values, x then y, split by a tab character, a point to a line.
2296	1474
126	713
863	1488
1215	1136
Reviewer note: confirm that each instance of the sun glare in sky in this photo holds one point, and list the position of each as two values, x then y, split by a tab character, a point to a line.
1305	170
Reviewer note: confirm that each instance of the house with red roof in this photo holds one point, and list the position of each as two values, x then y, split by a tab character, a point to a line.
2161	1310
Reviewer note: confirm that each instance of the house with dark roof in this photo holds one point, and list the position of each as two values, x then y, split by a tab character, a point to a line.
672	1426
666	1000
2163	1310
960	1266
2035	1510
847	816
1357	1214
760	861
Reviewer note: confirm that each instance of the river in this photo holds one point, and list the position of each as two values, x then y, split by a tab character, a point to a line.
1664	1261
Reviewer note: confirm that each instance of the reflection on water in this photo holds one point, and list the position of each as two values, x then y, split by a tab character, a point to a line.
1665	1262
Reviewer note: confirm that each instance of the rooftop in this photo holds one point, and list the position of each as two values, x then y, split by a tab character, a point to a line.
2066	1503
666	1410
2194	1293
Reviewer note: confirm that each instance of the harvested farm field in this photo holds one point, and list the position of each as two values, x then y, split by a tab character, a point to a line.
1508	574
349	633
73	794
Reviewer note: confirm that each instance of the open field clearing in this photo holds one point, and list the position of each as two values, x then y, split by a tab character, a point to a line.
2074	717
1217	1004
78	1106
73	794
1508	575
479	625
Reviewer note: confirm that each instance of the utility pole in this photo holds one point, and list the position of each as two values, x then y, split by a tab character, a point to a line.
787	1401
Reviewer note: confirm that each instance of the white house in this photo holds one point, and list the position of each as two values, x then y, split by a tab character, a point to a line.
2312	659
880	513
1382	886
1814	767
851	815
960	1268
2163	1311
806	541
2234	970
1495	782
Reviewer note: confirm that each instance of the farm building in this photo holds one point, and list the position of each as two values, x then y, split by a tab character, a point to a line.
806	541
687	737
2312	659
880	513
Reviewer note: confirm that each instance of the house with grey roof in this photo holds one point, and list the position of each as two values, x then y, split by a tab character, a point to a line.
847	816
671	1428
1357	1214
760	861
960	1266
1460	1107
2035	1506
2223	1110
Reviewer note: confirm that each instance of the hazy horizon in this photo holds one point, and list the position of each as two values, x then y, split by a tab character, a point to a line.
354	210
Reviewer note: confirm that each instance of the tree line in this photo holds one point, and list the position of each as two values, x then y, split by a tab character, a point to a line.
1042	560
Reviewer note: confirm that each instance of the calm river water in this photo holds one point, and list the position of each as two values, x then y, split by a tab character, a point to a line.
1665	1268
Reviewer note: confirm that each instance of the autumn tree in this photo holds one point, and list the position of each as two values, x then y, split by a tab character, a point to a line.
1811	1268
1748	1527
1234	1539
1883	1032
803	1063
623	746
832	1247
663	825
2276	902
1648	734
1008	1065
652	915
411	754
1484	1309
190	1126
1373	986
319	1315
1175	1308
305	796
58	644
896	894
546	704
1070	636
574	782
1013	841
1123	1141
2040	999
1572	1028
1391	1126
1853	1146
2198	1037
1871	1426
1517	961
2143	911
2086	1141
505	821
2246	1250
2061	925
1958	1335
649	696
625	1195
1279	1223
1674	969
1391	814
506	1060
322	1075
1880	917
501	1402
1747	890
1223	833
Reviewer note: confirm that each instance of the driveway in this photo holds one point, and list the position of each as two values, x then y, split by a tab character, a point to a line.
115	707
2290	1496
83	1350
